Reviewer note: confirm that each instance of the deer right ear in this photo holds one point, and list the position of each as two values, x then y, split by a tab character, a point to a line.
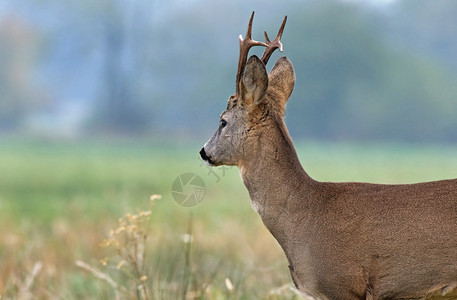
254	83
282	80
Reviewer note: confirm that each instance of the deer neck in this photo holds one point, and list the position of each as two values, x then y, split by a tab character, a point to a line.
274	178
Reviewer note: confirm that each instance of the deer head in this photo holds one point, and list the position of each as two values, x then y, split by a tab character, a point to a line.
257	106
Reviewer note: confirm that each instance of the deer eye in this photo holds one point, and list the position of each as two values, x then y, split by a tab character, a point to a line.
223	123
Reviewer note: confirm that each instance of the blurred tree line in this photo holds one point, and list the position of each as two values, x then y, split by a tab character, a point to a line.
365	71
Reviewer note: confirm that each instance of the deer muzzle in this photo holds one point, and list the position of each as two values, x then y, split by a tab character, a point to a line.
205	157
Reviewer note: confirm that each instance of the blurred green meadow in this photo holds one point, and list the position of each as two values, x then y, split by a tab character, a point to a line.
60	200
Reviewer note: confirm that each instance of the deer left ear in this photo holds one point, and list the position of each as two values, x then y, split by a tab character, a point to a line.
254	82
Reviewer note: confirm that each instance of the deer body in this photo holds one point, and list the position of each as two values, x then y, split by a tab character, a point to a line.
355	240
342	240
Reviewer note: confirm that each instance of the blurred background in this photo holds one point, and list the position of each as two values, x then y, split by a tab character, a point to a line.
366	70
103	103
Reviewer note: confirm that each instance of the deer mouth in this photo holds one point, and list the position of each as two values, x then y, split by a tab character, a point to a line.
206	158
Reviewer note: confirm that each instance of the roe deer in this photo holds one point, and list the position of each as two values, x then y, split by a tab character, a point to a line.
342	240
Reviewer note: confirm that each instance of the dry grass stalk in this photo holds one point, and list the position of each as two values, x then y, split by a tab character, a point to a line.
129	241
25	290
97	273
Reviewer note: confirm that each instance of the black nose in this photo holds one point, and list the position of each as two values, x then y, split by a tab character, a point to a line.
203	154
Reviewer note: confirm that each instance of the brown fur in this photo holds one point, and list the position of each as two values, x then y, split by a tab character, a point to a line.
342	240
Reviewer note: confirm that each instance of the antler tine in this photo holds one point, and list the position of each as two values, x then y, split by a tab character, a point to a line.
245	45
249	30
276	44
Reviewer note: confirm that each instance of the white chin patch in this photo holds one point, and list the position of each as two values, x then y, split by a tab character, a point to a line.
208	163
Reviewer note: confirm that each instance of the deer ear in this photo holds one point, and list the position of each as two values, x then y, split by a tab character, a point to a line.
254	82
282	80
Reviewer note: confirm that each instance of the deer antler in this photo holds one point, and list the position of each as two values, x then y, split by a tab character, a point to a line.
245	45
248	42
276	44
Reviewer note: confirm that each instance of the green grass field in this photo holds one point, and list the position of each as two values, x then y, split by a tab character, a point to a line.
59	201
